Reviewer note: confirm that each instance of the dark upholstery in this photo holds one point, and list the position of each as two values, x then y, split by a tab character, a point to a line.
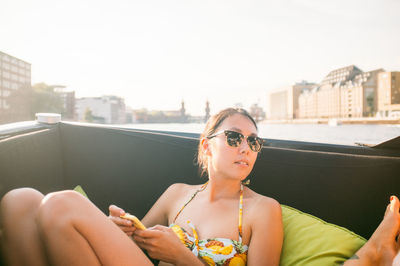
32	159
347	186
127	168
347	190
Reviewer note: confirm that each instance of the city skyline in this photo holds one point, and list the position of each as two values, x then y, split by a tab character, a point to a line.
155	54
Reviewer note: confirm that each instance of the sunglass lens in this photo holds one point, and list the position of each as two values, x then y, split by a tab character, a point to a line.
233	138
255	143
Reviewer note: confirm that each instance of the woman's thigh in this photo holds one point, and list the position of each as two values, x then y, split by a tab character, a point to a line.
19	237
20	201
74	226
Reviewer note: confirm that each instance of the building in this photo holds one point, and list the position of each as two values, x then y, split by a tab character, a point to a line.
159	116
207	109
107	109
344	92
14	74
68	99
184	117
389	94
162	116
284	103
257	113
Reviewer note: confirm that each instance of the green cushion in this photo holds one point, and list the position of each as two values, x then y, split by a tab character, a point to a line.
79	189
311	241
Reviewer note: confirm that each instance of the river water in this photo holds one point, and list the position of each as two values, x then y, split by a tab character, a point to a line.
322	133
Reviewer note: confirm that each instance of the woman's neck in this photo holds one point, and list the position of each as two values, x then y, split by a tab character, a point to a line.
222	189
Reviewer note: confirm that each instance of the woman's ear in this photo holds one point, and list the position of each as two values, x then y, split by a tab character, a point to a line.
205	146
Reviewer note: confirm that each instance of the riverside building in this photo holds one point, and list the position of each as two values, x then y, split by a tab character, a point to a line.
344	92
389	94
68	99
14	74
108	109
283	102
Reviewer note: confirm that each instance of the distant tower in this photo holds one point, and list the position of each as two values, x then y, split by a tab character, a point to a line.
207	111
183	111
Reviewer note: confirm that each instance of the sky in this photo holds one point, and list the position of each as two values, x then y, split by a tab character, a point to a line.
156	53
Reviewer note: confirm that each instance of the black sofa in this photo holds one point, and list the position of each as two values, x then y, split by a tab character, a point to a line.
346	185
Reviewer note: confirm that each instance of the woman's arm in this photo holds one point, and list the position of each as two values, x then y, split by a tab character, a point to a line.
162	243
267	233
159	212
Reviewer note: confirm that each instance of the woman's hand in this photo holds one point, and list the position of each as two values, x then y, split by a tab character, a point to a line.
163	244
124	224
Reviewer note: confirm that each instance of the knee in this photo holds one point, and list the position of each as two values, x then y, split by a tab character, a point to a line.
19	201
57	209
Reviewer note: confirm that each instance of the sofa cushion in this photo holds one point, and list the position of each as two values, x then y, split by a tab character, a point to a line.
309	240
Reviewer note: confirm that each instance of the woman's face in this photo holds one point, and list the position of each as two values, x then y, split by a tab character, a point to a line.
228	161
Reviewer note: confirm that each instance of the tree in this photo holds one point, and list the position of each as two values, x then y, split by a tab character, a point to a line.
26	101
19	105
88	115
46	100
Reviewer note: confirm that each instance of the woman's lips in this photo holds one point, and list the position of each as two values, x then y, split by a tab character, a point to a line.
242	163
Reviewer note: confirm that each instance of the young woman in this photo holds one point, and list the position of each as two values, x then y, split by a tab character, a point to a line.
236	226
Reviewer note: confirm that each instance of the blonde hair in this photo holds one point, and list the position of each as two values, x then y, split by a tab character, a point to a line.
211	127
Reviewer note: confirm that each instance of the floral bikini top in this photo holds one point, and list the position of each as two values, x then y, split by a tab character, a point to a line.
214	251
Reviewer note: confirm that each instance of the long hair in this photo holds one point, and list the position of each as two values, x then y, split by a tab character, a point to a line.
211	127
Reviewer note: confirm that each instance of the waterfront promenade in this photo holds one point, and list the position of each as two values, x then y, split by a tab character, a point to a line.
349	134
347	121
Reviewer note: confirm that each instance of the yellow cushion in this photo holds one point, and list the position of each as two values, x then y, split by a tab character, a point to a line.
79	189
310	241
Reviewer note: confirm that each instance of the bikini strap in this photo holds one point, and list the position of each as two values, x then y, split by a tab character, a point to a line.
191	198
195	235
240	212
240	207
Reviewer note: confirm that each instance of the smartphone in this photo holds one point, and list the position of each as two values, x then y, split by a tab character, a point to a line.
136	222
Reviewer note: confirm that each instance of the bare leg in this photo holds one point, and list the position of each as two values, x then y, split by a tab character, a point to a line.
20	238
382	247
78	233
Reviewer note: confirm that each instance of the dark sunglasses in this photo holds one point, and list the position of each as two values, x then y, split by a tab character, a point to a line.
234	139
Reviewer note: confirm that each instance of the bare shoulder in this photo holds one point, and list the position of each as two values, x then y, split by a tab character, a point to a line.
166	204
260	205
178	191
179	188
176	196
265	229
